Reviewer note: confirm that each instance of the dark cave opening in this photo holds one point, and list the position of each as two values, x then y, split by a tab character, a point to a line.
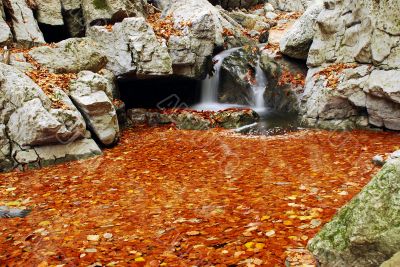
160	92
54	34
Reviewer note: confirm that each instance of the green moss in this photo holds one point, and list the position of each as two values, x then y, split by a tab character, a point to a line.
100	4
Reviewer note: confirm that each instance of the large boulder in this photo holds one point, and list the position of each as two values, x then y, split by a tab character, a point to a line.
71	55
364	232
25	28
132	48
92	94
297	40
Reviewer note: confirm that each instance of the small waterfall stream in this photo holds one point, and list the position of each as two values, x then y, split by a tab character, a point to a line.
210	86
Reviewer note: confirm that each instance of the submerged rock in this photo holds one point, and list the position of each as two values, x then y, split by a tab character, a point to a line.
364	232
194	120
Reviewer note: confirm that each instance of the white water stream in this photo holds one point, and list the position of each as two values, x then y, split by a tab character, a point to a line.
210	86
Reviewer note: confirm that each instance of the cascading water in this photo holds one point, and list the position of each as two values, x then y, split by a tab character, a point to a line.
209	89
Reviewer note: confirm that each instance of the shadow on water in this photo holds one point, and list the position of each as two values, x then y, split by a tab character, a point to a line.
275	123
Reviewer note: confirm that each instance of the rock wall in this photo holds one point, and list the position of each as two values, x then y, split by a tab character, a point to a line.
365	35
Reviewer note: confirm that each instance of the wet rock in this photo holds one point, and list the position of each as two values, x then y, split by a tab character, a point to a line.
237	75
25	27
132	47
378	160
92	94
191	53
297	40
281	93
362	233
193	120
71	55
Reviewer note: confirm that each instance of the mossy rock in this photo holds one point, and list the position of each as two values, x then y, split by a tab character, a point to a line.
365	232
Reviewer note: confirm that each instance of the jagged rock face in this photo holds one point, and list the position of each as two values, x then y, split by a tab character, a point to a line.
29	121
365	232
132	48
25	27
363	32
297	40
357	31
92	94
71	55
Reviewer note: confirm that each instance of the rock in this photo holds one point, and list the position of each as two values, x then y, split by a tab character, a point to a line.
248	21
101	12
79	149
191	53
281	93
394	261
293	5
230	119
5	150
268	7
19	62
261	26
237	71
71	55
363	232
92	94
49	12
297	40
384	84
25	28
229	4
378	160
27	113
395	155
193	120
132	47
271	15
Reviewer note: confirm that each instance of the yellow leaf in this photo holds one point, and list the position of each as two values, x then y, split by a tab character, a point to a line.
44	223
139	259
14	203
260	245
292	237
249	245
265	217
287	222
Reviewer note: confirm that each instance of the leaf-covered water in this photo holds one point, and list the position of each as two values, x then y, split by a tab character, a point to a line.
167	197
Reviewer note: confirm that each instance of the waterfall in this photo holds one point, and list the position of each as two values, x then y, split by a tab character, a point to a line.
210	86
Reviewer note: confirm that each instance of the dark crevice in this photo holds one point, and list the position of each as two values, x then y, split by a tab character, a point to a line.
159	92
